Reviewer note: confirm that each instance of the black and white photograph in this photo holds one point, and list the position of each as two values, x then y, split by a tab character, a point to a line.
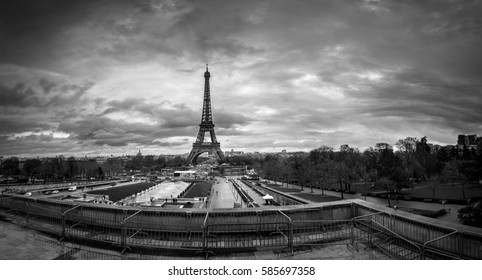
241	138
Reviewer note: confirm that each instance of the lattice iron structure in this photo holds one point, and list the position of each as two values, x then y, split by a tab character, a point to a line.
207	125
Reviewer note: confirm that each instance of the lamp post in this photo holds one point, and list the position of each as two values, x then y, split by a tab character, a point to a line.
443	202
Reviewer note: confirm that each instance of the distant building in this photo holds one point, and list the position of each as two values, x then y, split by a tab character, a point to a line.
468	140
101	159
188	174
235	170
167	172
233	153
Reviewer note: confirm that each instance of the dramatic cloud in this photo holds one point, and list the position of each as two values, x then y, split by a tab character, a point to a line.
79	77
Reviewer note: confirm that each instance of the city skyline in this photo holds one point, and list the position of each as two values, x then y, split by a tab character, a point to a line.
115	77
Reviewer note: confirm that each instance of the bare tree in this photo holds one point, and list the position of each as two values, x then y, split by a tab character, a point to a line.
407	148
451	171
434	180
387	185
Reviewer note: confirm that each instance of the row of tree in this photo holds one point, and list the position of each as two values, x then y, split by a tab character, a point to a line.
383	166
380	167
61	169
149	163
50	170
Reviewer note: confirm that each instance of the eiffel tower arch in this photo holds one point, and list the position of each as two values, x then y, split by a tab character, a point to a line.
207	126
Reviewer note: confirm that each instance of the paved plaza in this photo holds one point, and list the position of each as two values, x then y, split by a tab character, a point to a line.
21	243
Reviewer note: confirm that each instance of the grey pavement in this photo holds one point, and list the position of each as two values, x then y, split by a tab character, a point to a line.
254	195
21	243
223	194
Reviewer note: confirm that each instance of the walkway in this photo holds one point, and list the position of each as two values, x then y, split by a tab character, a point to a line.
254	195
223	194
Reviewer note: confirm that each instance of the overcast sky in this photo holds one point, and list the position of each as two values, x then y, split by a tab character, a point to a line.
113	77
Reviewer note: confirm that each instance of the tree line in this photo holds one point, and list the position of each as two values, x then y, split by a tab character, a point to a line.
382	167
60	169
44	170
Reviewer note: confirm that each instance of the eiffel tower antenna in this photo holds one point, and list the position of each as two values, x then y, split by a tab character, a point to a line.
207	125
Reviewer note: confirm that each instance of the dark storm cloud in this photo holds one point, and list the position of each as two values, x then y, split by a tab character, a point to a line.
99	131
33	145
13	124
21	95
35	108
28	29
173	115
46	85
102	131
228	120
418	94
129	104
232	132
52	33
294	71
168	144
17	96
207	28
24	21
422	76
63	107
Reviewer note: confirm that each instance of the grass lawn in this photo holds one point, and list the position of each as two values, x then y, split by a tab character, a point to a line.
442	191
317	197
445	191
356	186
118	193
199	189
284	188
359	187
424	212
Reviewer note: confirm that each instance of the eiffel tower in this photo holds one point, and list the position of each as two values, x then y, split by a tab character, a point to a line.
207	125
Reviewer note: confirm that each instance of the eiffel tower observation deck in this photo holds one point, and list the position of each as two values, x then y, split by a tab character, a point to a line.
206	126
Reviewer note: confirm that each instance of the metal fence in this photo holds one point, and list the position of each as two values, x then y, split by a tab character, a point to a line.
206	232
435	241
386	240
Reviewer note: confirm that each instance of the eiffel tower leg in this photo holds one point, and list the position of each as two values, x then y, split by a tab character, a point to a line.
220	155
190	158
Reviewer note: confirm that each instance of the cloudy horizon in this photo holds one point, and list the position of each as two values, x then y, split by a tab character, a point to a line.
114	77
